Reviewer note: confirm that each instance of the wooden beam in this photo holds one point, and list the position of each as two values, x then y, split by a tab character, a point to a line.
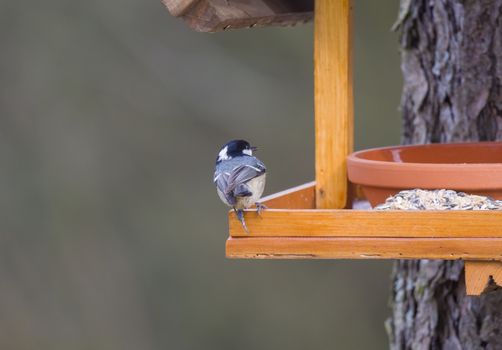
364	248
333	100
299	197
368	223
218	15
481	276
303	197
178	7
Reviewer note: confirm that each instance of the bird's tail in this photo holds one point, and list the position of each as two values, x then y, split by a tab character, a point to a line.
242	190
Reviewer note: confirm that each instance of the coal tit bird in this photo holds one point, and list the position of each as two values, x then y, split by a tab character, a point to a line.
239	177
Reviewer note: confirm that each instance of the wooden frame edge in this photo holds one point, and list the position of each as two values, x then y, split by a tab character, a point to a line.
486	249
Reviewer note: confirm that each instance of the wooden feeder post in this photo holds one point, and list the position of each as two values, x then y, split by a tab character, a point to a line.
333	100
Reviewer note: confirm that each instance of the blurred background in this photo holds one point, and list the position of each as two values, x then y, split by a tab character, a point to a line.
111	233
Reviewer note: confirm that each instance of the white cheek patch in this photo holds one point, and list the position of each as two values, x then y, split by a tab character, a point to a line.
223	154
248	152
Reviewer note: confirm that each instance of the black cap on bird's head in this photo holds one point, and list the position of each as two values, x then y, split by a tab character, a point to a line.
235	148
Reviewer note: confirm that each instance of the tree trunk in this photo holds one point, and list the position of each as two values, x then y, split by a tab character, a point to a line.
452	67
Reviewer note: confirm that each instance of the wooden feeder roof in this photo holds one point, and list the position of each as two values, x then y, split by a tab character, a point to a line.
217	15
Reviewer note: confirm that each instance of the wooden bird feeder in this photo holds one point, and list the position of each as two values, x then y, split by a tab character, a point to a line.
317	220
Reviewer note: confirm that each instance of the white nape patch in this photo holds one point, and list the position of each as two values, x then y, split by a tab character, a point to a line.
223	155
249	152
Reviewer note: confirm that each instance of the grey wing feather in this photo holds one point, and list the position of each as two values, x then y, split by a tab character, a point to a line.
232	183
221	181
243	173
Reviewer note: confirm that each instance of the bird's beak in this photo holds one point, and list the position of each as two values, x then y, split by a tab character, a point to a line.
254	148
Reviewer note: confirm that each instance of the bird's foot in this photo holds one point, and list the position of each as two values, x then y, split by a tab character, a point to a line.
260	207
240	215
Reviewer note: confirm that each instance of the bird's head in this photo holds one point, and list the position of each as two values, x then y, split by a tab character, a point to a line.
235	148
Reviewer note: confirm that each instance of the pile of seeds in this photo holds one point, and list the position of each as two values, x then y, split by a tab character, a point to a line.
438	200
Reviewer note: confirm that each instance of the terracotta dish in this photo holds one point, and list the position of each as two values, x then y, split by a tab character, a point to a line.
474	168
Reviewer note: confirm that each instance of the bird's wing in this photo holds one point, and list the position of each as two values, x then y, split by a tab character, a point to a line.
221	181
231	182
243	173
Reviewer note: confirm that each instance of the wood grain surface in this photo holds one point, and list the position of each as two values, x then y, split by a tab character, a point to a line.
364	248
333	100
368	223
218	15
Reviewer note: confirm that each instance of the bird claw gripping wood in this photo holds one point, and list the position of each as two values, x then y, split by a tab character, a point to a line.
260	207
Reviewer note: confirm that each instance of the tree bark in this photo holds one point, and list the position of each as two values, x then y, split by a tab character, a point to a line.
452	68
